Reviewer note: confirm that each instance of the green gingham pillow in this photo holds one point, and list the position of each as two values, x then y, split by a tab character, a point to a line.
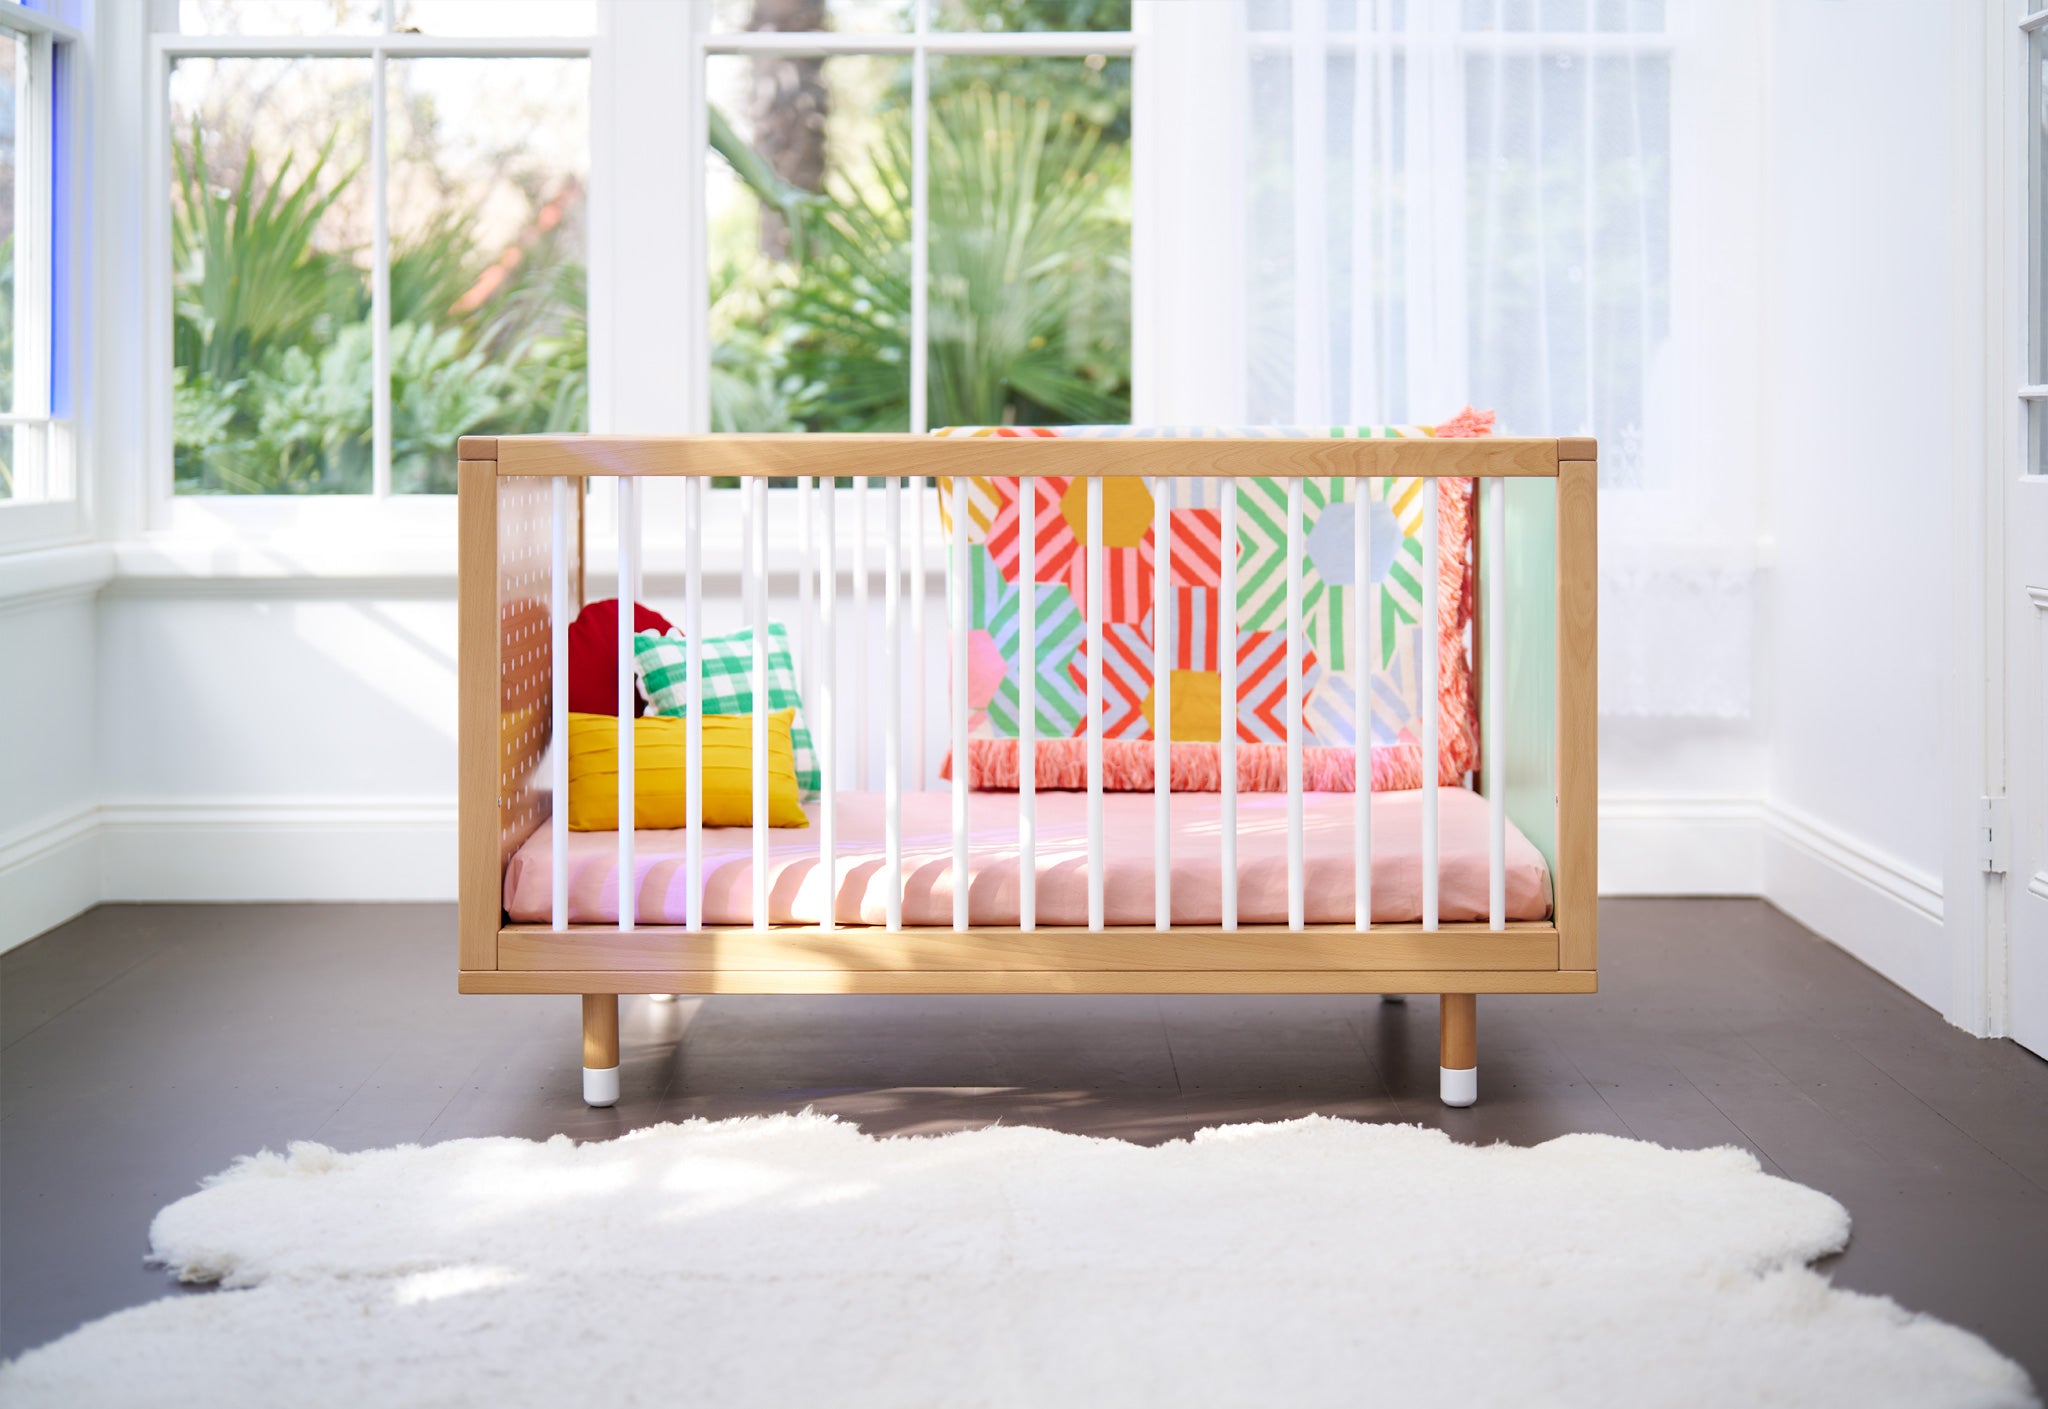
662	659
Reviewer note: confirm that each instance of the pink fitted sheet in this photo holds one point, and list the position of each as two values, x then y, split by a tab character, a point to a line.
796	894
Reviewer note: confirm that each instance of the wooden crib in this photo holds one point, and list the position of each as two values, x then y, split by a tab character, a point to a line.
522	575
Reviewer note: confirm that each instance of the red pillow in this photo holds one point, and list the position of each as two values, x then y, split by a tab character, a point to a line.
594	656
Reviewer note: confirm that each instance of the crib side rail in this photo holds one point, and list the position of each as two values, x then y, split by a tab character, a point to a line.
881	456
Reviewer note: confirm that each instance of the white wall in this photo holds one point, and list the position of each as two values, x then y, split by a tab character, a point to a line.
1867	322
49	782
269	740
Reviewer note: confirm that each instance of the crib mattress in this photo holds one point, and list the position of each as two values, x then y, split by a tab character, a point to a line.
797	893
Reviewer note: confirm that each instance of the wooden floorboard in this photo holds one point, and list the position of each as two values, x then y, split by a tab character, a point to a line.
144	1047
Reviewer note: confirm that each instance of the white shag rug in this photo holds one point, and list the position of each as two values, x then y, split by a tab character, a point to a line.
794	1261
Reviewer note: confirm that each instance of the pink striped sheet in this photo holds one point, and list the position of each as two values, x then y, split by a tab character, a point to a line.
797	893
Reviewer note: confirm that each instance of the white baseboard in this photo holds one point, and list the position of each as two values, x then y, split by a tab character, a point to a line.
227	849
1681	846
49	871
278	849
1884	911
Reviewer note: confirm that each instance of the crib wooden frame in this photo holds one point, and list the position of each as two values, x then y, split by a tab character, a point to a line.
505	646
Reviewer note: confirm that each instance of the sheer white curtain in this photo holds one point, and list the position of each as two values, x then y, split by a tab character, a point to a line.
1486	201
1463	201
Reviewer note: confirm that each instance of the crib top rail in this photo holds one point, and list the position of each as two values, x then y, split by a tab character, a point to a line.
863	455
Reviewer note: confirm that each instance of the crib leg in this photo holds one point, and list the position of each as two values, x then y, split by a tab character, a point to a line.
1458	1049
600	1048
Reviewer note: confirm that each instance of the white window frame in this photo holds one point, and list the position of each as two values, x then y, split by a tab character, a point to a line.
46	507
649	142
381	512
2031	245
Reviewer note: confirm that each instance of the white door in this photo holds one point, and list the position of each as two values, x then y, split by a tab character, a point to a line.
2023	446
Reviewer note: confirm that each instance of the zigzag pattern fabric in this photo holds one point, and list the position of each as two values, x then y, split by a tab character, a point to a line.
1342	696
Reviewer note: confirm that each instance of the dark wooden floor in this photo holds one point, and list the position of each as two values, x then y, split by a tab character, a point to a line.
143	1047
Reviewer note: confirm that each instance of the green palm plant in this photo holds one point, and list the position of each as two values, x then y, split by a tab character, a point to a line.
1026	265
251	292
1029	284
537	328
432	268
247	279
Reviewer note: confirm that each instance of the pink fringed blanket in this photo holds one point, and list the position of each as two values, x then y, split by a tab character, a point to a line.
1127	766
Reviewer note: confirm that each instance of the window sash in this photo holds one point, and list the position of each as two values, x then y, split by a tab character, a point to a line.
623	333
920	46
166	49
42	452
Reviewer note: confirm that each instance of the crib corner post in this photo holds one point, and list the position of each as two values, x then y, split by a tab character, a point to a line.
1458	1049
600	1049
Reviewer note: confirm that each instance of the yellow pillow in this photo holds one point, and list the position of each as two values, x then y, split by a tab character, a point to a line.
661	746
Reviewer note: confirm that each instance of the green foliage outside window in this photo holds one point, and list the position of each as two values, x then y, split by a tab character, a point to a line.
272	378
1029	250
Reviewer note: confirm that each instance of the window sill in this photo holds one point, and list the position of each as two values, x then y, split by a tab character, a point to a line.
46	576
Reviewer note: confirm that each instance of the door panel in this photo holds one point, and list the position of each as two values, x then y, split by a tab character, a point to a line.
2022	496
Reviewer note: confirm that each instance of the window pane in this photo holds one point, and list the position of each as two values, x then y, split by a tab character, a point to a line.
808	200
310	17
1030	241
497	19
13	77
1014	16
270	246
789	16
490	171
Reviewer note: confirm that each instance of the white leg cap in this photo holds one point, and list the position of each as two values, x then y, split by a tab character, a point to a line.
1393	998
600	1086
662	997
1458	1088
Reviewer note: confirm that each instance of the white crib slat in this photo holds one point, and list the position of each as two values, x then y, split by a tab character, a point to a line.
1162	701
629	543
693	694
1431	687
825	728
1297	900
1494	628
862	633
1226	653
892	708
758	533
1096	573
1027	699
806	633
958	588
920	752
558	661
1365	658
